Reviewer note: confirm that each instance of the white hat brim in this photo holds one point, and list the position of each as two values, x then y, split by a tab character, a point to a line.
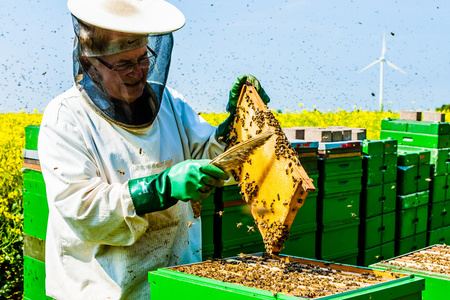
131	16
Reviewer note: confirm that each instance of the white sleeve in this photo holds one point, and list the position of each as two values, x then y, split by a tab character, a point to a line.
195	132
96	210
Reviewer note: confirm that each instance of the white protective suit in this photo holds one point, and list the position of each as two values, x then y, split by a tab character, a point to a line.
97	247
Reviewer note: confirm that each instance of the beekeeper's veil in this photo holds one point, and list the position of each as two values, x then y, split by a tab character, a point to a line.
106	29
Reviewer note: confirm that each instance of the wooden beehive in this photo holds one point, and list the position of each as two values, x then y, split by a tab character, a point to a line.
272	180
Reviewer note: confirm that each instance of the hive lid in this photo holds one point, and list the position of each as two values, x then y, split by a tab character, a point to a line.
304	144
339	145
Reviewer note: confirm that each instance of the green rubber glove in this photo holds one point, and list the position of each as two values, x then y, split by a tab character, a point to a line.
235	91
223	129
189	180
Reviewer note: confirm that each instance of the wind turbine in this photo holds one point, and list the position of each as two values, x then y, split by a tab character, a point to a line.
381	61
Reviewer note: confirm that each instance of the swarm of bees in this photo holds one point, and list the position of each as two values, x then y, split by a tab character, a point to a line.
282	276
276	234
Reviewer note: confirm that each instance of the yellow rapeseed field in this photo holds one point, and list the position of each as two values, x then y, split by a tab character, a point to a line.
371	120
12	142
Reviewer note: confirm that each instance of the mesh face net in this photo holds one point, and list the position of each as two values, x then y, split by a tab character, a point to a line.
101	60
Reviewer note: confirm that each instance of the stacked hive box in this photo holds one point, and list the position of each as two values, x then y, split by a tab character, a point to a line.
439	203
35	211
414	176
439	207
338	208
435	135
378	201
339	185
340	168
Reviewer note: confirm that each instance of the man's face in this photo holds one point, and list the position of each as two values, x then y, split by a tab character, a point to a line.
127	87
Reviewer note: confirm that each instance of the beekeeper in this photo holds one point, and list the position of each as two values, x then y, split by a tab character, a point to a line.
118	152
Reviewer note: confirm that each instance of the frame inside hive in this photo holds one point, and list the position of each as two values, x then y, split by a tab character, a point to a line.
272	180
293	276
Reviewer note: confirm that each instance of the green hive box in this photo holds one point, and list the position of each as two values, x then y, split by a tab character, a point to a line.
377	200
33	279
426	127
377	230
373	169
439	157
390	167
375	147
166	283
208	252
35	215
412	214
33	182
390	146
315	178
207	218
439	236
439	215
336	241
231	193
331	167
378	253
301	242
339	208
310	164
407	159
307	214
437	285
439	188
410	243
376	171
341	183
413	157
252	244
237	223
417	139
31	137
349	257
239	233
412	179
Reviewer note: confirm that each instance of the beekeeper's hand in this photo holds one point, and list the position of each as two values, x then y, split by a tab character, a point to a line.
223	129
189	180
236	91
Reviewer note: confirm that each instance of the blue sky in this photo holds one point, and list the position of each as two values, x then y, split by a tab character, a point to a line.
305	53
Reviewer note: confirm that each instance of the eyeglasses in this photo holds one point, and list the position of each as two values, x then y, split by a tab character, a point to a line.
127	68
